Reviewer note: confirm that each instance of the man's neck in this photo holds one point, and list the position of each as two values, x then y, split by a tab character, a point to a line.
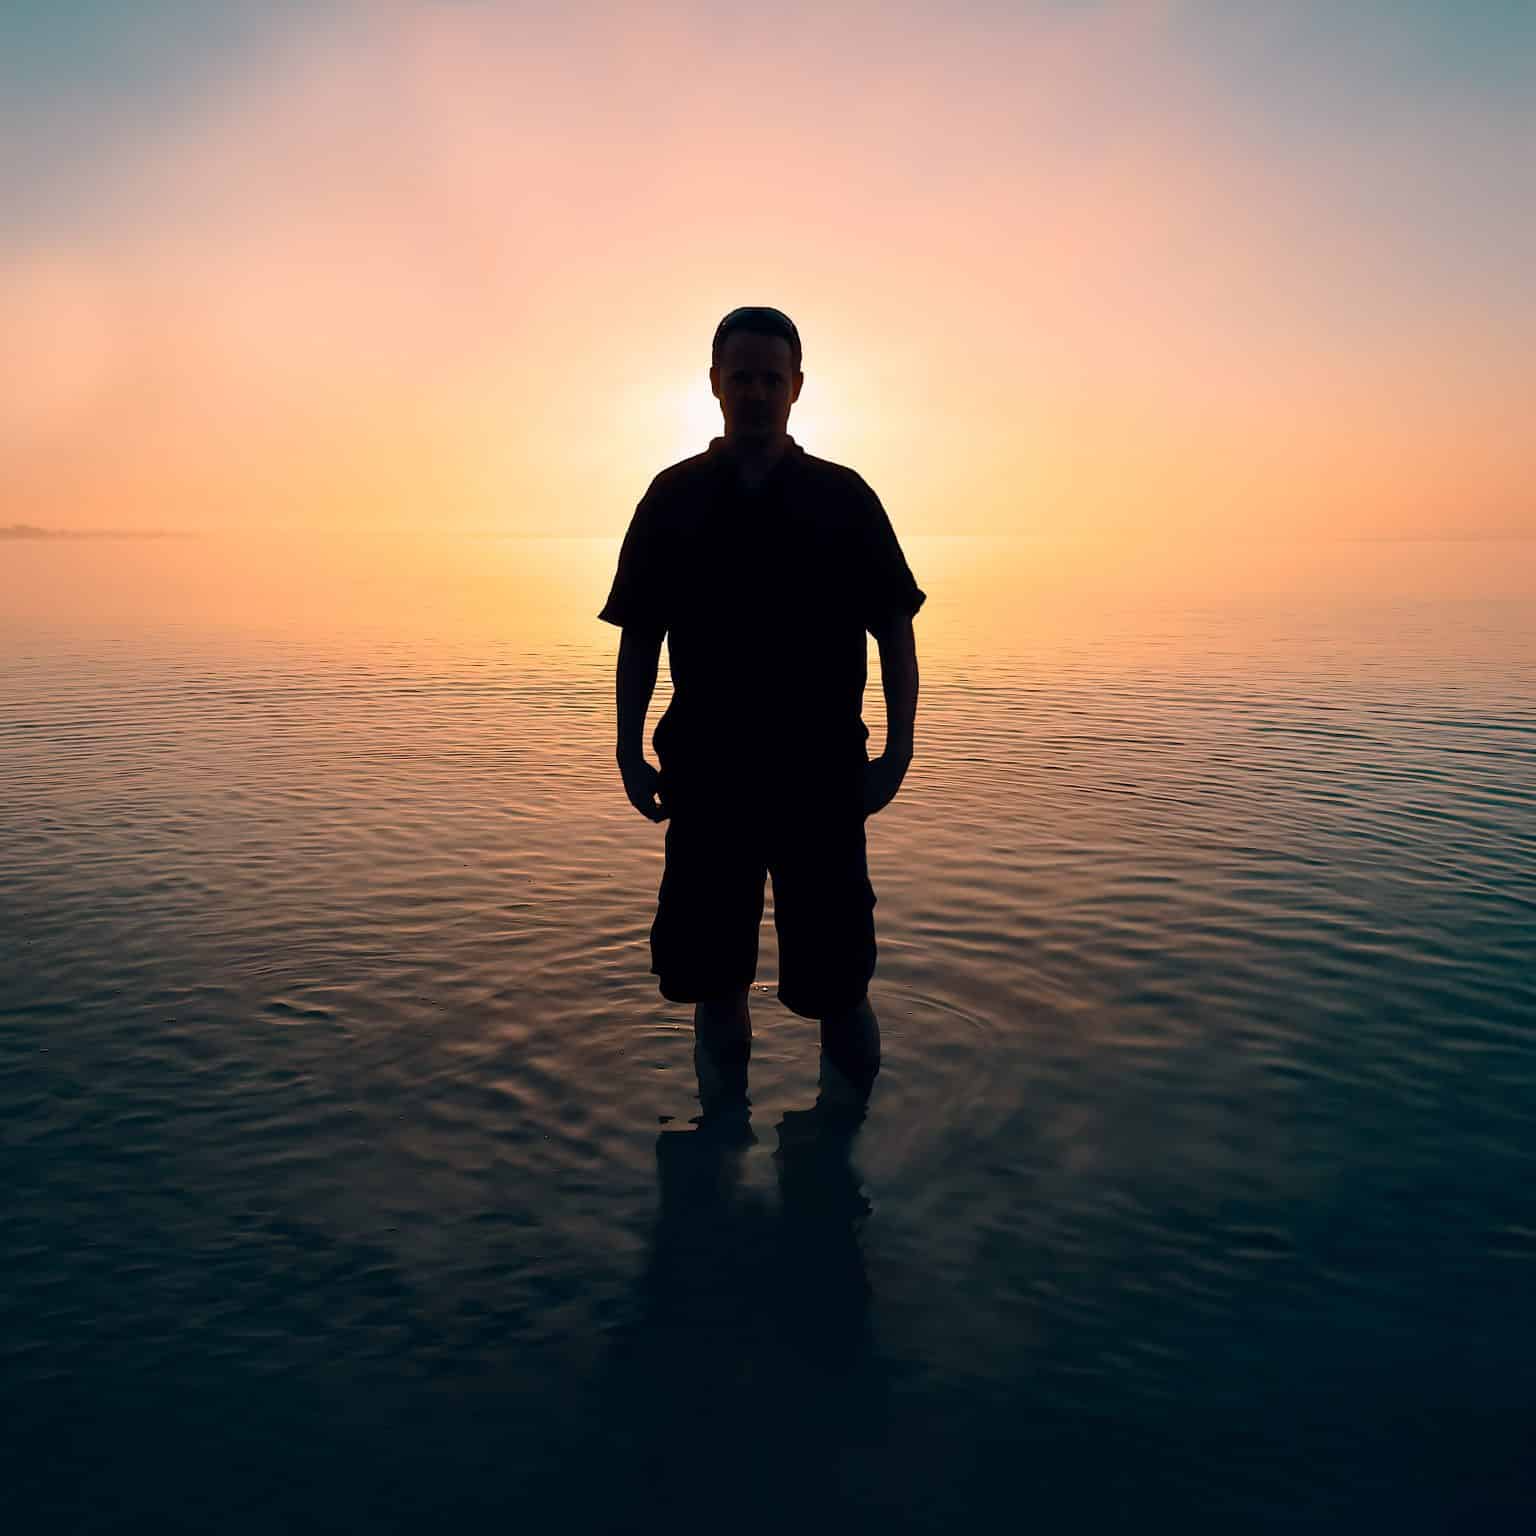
755	453
753	457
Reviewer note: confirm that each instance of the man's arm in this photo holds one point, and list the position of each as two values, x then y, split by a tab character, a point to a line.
639	657
898	681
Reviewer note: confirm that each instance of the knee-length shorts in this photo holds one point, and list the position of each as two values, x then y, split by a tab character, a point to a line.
721	848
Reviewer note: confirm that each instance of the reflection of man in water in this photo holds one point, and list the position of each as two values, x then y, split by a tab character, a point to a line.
764	567
748	1312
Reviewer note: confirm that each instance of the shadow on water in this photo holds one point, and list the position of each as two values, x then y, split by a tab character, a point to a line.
747	1376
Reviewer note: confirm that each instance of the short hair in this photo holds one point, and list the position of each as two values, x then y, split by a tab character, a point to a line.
761	321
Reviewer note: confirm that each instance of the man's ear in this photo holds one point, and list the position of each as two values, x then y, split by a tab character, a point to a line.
799	381
714	381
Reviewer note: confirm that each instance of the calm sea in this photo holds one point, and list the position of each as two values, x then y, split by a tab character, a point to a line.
352	1173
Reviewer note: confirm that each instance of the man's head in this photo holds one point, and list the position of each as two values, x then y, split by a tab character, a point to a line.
755	371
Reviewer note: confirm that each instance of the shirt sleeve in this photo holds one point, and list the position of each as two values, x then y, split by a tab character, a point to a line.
882	579
637	597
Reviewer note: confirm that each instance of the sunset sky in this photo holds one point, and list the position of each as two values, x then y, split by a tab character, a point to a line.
1150	267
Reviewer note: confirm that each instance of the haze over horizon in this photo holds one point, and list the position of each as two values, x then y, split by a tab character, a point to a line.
1095	270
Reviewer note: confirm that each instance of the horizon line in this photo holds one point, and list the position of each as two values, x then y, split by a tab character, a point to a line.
34	531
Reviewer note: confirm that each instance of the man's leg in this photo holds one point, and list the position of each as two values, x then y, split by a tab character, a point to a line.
722	1033
850	1039
723	1025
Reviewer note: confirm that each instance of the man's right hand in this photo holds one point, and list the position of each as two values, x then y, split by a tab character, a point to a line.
642	783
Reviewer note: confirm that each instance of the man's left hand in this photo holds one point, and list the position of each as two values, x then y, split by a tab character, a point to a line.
882	778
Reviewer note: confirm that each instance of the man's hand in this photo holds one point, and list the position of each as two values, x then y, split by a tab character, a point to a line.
642	783
882	778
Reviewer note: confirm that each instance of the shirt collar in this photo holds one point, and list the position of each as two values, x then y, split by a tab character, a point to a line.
720	457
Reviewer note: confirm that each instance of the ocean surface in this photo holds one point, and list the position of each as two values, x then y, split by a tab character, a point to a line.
353	1172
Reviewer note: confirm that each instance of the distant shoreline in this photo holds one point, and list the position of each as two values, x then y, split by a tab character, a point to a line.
32	531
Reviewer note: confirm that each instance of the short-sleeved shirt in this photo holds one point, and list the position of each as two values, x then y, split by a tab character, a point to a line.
765	597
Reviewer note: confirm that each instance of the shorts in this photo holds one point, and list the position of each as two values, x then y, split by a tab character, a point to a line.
721	845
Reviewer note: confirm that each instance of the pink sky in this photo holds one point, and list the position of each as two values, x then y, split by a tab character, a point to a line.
440	266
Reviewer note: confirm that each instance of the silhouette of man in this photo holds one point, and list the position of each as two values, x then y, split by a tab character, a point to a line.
764	567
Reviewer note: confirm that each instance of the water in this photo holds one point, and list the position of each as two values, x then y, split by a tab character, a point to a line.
352	1173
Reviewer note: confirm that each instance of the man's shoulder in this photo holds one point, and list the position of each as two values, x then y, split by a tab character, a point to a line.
680	480
833	478
839	495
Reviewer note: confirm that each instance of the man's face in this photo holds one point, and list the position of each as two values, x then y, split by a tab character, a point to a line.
756	383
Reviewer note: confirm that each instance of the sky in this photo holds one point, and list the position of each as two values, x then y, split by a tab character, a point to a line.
1157	270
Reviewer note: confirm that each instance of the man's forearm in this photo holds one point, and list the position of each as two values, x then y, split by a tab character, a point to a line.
635	682
899	682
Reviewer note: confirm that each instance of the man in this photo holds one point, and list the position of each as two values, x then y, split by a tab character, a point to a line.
764	567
